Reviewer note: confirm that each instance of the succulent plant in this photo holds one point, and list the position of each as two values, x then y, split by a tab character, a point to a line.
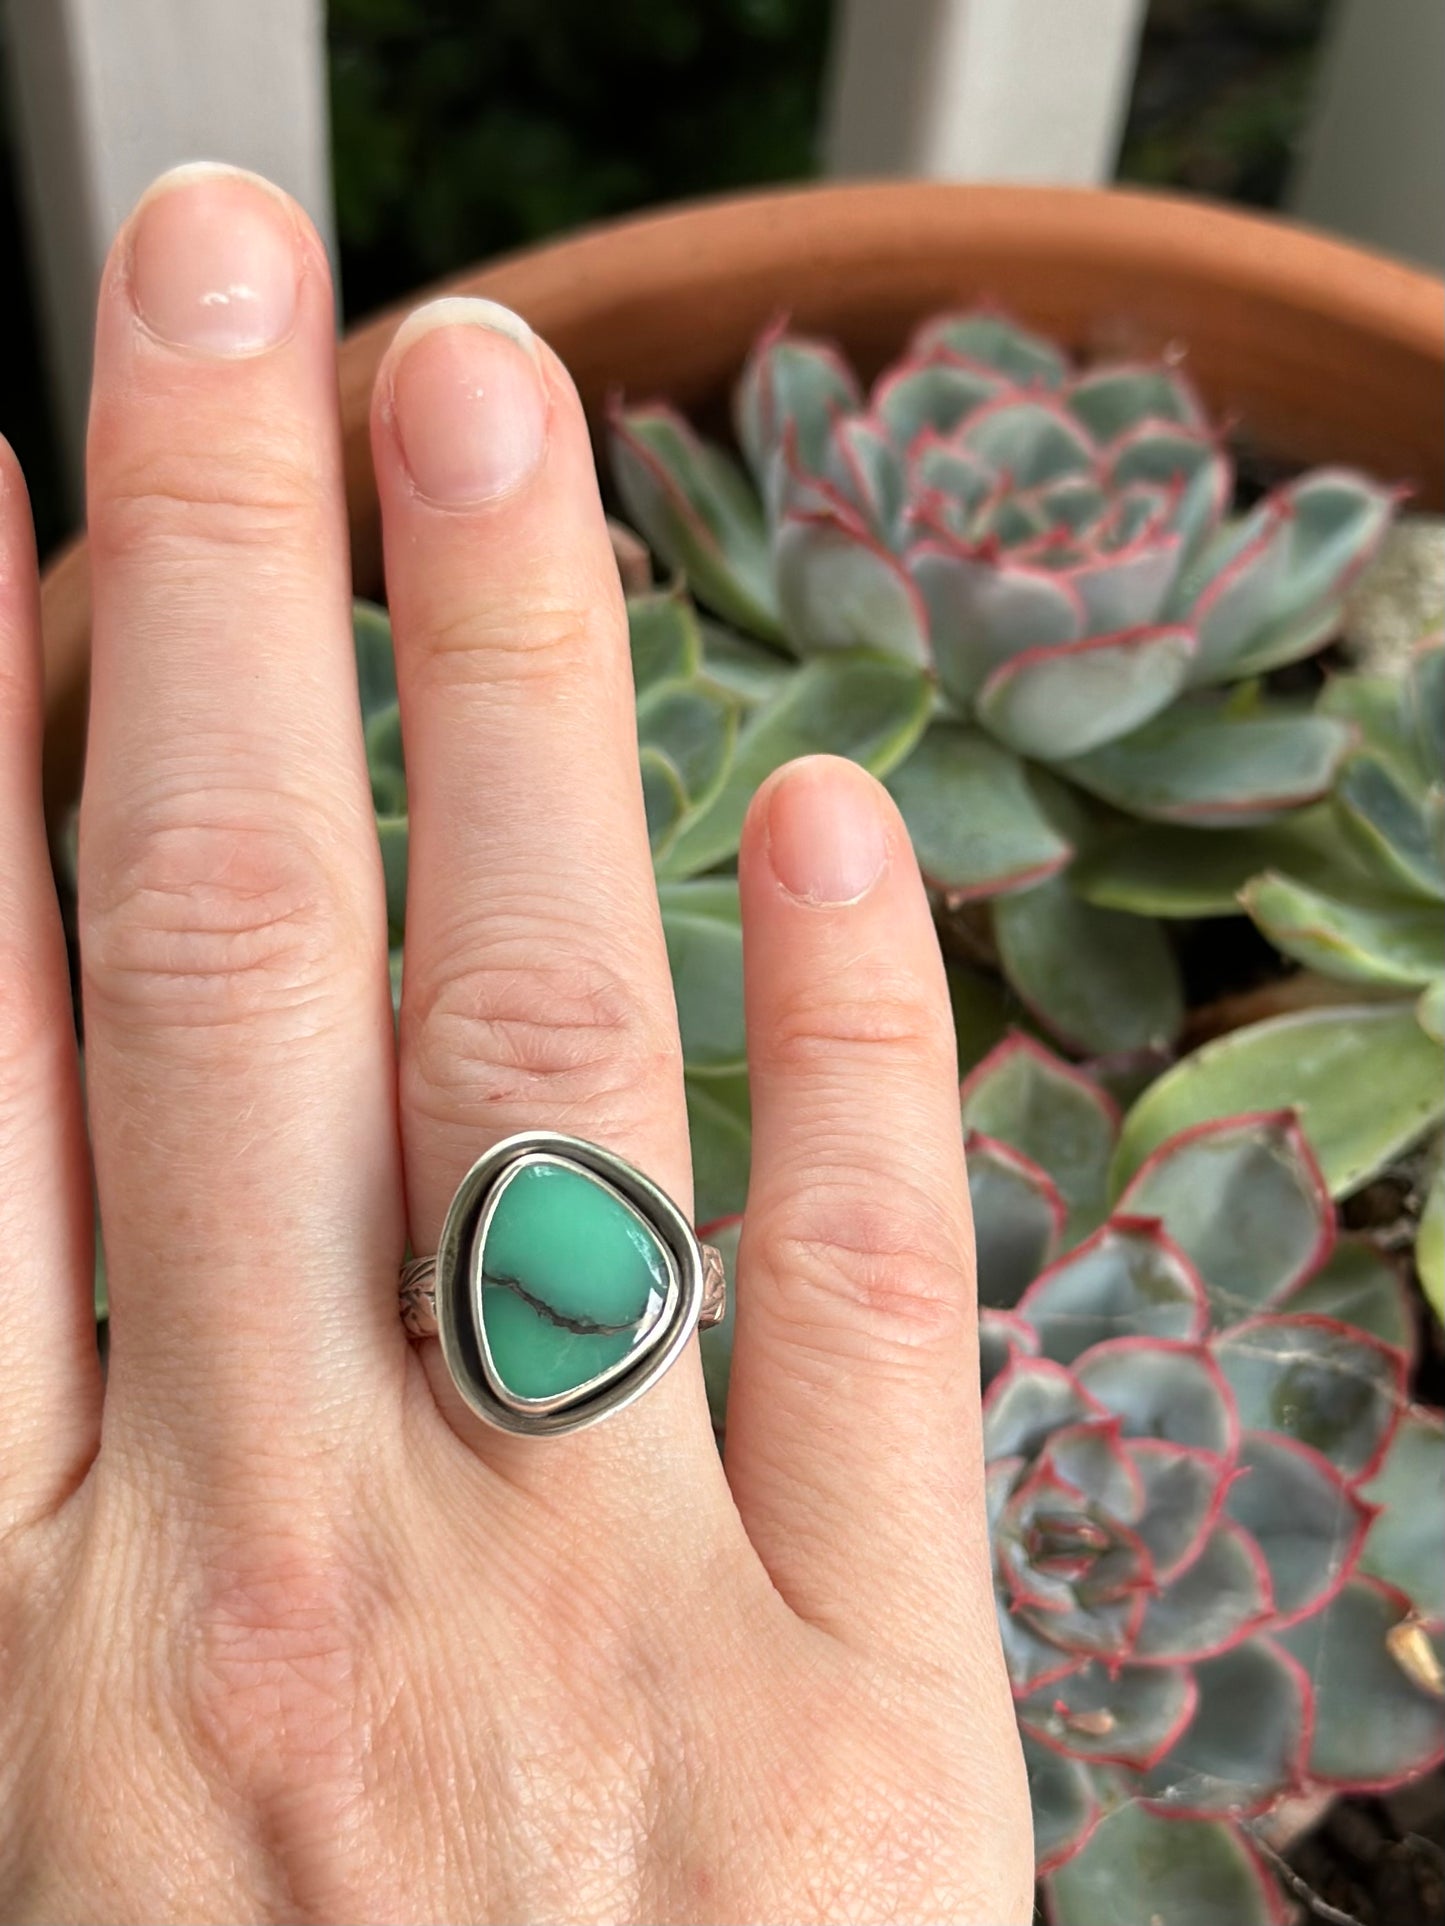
1353	889
1214	1513
1051	552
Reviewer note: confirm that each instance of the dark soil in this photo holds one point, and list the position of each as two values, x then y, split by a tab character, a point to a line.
1375	1862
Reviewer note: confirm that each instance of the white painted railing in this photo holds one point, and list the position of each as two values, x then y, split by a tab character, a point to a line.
1011	90
109	92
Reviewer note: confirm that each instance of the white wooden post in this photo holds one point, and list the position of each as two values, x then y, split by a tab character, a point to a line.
109	93
1019	90
1373	161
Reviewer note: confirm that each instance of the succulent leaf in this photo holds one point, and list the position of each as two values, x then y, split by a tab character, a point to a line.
1430	1244
1125	1279
1172	1391
975	823
1142	1865
1207	766
1426	705
1358	1285
1128	1716
694	725
790	384
1060	702
1317	1062
867	707
1403	943
981	615
375	658
1306	1519
1027	1403
1243	1198
1103	983
1018	1217
1378	710
1374	1724
664	798
1127	588
1002	1337
1244	568
702	928
995	341
839	588
1406	1547
718	1122
665	638
1025	1096
1184	1489
867	470
936	395
1187	463
1115	399
1318	1382
1247	1738
1065	1805
752	671
394	835
1221	1595
1031	440
692	503
1391	826
1334	521
1170	870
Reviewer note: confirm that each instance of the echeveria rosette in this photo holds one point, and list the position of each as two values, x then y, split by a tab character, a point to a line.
1050	551
1049	546
1215	1517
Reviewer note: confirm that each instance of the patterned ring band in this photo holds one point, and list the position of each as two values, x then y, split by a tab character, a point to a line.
564	1285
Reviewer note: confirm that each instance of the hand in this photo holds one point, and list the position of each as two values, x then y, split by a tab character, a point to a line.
284	1633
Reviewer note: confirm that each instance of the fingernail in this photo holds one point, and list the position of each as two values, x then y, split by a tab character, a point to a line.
467	400
214	261
827	837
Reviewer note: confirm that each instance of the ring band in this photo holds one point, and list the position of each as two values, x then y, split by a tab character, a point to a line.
563	1286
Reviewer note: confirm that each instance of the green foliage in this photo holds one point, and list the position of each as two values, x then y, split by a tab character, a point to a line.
461	130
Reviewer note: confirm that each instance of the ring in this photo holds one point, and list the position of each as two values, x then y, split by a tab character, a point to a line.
564	1285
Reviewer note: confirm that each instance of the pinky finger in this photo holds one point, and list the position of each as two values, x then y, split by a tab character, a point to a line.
49	1369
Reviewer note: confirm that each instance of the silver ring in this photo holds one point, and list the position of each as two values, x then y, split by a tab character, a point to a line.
564	1285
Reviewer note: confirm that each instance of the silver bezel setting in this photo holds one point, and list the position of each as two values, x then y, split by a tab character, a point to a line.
458	1307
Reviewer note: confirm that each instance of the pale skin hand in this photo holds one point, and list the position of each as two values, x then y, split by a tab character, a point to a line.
283	1634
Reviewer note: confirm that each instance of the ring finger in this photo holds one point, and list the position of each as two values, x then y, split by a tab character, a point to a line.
536	991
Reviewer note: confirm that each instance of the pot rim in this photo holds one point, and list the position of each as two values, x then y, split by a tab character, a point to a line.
866	254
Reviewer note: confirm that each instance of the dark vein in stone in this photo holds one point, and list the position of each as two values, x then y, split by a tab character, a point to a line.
580	1326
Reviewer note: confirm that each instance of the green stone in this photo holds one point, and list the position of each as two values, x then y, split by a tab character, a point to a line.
573	1282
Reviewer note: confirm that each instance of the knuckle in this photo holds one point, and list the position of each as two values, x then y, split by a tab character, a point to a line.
540	642
877	1013
276	1624
503	1031
217	919
189	496
890	1258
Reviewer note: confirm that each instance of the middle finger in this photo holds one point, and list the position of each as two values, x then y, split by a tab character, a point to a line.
536	991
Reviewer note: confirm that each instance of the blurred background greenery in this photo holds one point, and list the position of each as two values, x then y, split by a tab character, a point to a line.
462	129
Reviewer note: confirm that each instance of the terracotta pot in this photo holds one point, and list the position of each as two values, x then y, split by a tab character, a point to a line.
1319	351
